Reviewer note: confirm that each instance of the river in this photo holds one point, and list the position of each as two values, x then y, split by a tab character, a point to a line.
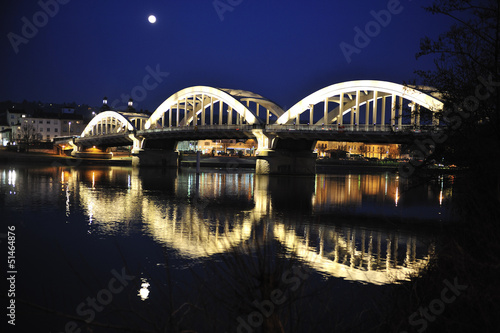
116	249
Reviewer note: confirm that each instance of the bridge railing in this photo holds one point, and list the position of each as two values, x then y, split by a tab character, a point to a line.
354	128
202	128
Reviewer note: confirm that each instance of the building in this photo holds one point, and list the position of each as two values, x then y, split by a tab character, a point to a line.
47	126
5	132
13	117
219	147
368	150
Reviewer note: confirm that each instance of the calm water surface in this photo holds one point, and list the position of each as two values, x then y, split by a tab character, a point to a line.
112	249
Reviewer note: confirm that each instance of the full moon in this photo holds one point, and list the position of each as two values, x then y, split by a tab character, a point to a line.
152	19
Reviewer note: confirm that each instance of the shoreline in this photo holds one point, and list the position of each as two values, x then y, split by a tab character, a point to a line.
222	162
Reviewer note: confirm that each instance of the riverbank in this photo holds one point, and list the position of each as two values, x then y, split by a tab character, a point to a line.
45	158
215	162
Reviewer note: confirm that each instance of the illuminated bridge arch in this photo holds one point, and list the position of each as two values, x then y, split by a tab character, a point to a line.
107	122
364	102
203	105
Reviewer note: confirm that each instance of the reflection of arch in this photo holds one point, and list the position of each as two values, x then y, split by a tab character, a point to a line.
197	230
200	100
342	98
340	256
107	122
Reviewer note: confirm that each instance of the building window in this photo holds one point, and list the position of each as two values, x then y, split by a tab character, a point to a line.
56	130
48	129
48	121
40	121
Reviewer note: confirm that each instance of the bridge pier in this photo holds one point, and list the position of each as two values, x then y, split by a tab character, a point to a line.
156	157
270	162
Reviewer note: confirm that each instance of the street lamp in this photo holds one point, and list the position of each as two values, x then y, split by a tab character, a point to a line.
69	128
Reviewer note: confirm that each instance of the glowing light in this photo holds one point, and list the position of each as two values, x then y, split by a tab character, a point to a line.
152	19
144	291
12	178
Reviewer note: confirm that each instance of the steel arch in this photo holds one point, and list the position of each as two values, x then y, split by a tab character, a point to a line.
105	115
351	87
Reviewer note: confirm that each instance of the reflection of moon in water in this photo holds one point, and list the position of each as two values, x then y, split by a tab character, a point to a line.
152	19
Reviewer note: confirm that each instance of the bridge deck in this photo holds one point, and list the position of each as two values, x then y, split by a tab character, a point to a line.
334	132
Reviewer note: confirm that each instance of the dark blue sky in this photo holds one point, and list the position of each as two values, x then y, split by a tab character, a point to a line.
283	50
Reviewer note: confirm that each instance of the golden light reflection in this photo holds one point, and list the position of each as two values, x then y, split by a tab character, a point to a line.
197	223
144	291
396	197
12	178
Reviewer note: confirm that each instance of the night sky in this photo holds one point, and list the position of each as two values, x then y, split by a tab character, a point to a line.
283	50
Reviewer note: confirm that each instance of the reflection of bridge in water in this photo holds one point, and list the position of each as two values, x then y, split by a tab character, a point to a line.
209	215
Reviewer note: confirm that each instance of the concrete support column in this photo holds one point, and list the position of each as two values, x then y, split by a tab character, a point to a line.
155	157
270	162
288	158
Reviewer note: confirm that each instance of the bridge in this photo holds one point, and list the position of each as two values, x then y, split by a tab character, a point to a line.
366	110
